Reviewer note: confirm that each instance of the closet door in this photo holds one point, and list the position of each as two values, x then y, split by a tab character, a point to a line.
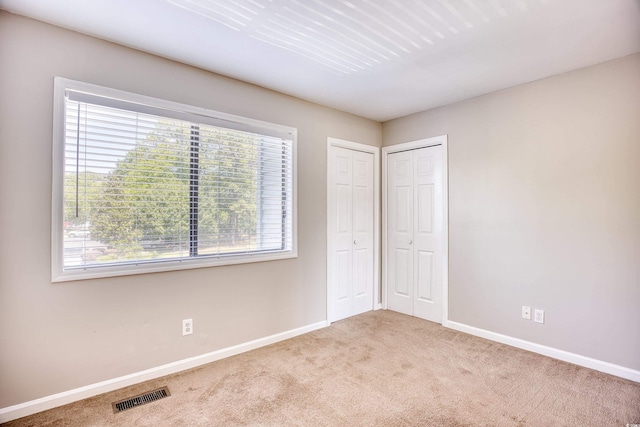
427	238
363	239
414	232
400	213
351	204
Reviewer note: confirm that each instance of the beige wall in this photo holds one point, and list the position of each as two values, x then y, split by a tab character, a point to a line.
56	337
544	208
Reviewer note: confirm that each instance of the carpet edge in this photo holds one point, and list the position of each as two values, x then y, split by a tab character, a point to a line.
555	353
31	407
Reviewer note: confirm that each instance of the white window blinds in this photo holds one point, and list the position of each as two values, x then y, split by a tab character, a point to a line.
148	184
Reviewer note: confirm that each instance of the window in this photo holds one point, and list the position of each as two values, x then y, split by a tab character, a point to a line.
142	184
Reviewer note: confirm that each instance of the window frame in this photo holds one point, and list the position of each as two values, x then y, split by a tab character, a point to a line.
59	274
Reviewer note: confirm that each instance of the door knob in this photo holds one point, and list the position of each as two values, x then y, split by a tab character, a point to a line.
354	242
410	242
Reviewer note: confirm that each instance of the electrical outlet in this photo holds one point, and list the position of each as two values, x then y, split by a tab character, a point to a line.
538	315
187	327
526	312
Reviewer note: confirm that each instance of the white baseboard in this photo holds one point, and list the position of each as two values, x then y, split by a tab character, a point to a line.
576	359
28	408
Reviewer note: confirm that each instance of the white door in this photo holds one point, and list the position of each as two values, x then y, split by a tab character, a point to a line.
351	226
415	232
400	232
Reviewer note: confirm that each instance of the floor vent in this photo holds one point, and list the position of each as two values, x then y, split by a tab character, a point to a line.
142	399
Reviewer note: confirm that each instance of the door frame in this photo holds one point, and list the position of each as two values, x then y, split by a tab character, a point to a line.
414	145
355	146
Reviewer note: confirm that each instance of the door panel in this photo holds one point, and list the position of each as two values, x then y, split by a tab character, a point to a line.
350	210
428	241
401	285
400	233
343	214
343	275
361	266
402	208
343	209
361	210
363	236
414	232
425	209
425	275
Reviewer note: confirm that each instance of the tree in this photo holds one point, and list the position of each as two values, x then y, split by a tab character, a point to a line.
228	186
79	207
146	196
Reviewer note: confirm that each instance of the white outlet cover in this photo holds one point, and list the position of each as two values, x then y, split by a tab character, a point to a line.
538	315
526	312
187	327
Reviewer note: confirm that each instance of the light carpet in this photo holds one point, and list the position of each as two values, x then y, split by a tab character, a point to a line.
376	369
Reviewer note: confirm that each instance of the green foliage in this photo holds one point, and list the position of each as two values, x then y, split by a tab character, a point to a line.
146	196
78	209
227	187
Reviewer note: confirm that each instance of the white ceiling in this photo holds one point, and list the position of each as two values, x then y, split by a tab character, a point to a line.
379	59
